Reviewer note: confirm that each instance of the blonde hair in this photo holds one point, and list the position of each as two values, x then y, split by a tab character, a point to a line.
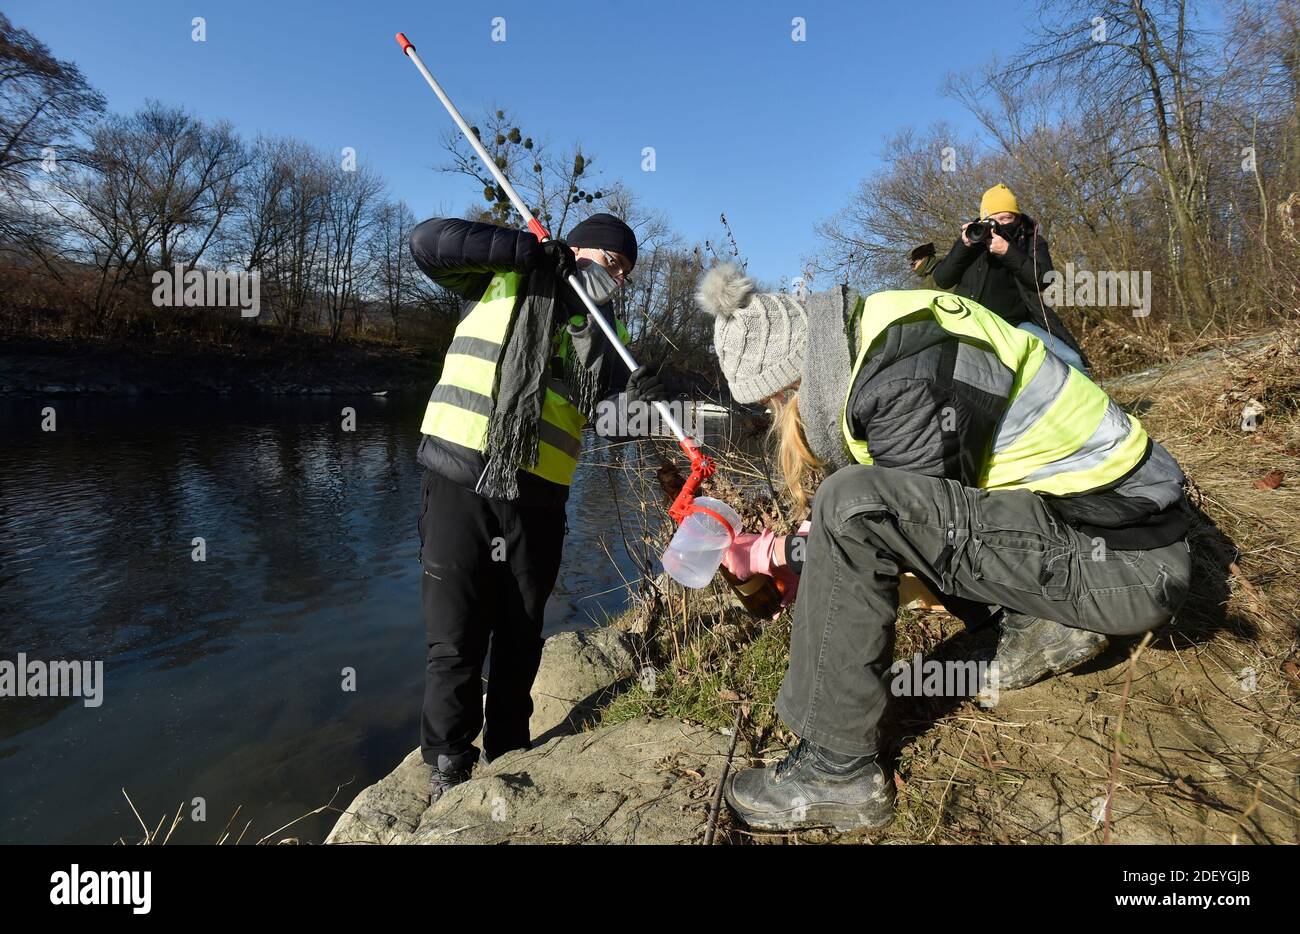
799	466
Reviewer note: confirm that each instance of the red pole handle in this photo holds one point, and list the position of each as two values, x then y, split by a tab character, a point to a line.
404	42
538	230
701	469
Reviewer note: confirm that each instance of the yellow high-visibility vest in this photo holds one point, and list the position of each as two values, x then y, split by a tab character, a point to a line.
461	403
1059	434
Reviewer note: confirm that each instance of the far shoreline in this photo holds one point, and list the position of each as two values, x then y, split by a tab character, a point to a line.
297	364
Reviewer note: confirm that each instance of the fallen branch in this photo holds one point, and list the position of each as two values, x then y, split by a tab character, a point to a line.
1119	729
722	782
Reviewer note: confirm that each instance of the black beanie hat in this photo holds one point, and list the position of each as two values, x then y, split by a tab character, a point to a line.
604	232
924	251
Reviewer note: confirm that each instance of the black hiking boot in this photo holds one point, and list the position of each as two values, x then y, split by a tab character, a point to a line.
814	787
447	774
1031	648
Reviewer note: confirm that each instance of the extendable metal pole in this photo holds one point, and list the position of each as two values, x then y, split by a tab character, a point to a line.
540	232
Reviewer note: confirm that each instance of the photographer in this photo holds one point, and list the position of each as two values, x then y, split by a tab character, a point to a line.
1002	262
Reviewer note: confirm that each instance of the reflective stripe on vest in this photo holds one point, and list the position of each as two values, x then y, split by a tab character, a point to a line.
461	403
1059	434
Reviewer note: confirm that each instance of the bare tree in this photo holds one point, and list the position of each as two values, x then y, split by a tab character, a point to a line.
184	173
912	200
257	216
350	200
1139	138
559	188
44	105
154	190
1146	64
396	277
294	240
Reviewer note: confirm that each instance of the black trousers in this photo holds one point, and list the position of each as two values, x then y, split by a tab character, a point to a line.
488	569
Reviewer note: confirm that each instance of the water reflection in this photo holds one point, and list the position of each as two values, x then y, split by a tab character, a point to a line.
223	677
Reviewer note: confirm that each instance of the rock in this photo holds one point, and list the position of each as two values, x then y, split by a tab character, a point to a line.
641	781
580	671
390	806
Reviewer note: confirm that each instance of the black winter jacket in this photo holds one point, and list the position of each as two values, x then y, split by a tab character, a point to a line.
462	256
1010	285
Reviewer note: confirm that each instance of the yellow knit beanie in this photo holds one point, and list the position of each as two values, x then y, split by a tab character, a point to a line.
998	199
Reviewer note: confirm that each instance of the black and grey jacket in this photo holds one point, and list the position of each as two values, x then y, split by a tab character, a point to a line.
929	403
462	256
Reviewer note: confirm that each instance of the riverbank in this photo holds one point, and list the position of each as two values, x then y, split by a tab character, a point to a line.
293	364
1192	738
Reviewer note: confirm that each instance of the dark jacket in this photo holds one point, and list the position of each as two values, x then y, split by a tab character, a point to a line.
928	403
1010	285
925	272
462	256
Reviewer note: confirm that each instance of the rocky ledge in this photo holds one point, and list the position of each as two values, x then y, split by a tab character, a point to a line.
640	781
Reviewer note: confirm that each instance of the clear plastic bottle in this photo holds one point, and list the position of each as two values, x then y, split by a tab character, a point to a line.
693	556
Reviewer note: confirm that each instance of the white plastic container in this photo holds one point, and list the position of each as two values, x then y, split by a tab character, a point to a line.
696	550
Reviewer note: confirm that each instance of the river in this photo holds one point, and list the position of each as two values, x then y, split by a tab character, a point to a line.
223	678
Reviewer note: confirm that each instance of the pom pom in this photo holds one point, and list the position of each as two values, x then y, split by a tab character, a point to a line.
724	289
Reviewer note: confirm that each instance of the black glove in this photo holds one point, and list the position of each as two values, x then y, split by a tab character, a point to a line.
556	255
645	386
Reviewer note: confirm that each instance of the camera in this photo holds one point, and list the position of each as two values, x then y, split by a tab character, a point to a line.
981	232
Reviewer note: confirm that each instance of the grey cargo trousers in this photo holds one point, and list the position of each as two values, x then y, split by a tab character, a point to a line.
1001	547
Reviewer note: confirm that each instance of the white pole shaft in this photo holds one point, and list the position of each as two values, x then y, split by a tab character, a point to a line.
477	145
617	344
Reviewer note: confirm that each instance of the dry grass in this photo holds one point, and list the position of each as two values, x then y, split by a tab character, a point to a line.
161	833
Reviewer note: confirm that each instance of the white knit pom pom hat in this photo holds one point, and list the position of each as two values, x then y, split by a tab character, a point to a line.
761	337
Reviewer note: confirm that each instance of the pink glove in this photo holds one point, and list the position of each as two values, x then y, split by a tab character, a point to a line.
750	554
787	578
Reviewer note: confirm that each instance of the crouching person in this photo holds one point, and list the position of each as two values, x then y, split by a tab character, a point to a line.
957	448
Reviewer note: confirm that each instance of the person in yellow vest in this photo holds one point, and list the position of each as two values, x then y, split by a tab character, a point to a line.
956	447
502	434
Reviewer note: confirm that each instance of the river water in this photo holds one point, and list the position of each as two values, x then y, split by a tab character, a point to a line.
223	678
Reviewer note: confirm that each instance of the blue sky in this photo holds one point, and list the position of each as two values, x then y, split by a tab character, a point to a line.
776	133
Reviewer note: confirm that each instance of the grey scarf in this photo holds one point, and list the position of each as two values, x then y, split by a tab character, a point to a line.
827	372
586	367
